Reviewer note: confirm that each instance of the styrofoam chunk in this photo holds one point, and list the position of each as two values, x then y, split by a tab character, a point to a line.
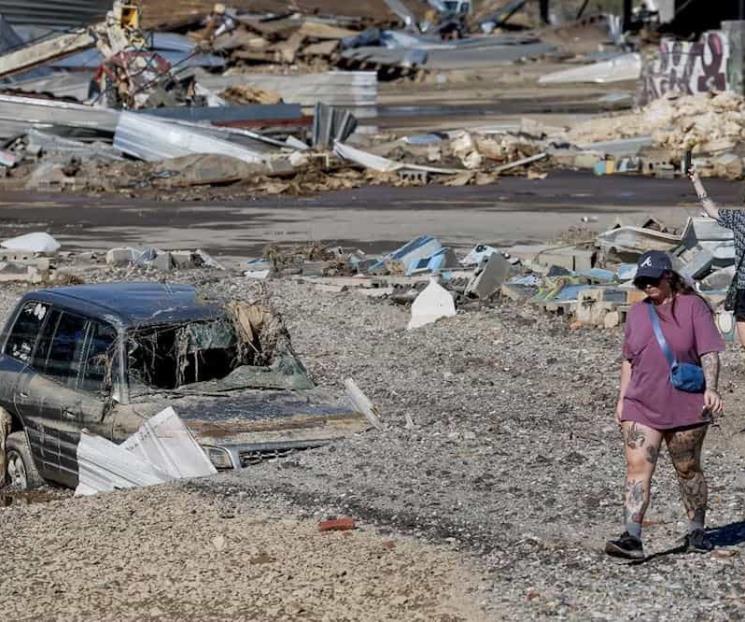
432	304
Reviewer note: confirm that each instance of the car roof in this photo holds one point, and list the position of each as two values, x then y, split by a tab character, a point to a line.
131	304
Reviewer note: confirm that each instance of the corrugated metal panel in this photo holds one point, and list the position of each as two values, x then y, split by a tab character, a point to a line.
163	449
151	139
30	112
92	59
346	89
75	85
55	13
228	114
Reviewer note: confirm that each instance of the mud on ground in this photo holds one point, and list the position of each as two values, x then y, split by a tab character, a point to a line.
505	487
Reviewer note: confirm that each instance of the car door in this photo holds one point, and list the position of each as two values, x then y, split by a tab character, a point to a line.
55	396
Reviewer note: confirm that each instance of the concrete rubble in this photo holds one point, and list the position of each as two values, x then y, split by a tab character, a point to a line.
590	283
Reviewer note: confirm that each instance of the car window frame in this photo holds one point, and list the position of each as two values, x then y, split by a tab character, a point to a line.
113	388
86	330
21	306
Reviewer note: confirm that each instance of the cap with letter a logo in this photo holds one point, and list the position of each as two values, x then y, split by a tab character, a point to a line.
653	264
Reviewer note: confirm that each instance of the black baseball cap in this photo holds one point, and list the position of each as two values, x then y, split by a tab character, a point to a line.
652	265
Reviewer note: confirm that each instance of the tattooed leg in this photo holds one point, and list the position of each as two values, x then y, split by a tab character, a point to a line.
642	447
685	452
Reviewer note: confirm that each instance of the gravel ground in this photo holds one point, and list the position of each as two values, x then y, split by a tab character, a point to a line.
500	494
173	554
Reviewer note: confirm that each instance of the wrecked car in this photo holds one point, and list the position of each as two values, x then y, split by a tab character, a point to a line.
106	357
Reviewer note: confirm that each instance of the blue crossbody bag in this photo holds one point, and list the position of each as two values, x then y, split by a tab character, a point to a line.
683	376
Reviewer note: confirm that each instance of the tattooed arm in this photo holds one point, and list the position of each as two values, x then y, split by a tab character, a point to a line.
710	365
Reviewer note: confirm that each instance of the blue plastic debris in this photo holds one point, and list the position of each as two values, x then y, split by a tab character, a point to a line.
570	292
626	271
410	254
442	260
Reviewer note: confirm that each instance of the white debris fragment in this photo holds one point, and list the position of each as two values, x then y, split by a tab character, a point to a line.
385	165
104	466
37	242
363	404
259	275
432	304
625	67
163	449
164	441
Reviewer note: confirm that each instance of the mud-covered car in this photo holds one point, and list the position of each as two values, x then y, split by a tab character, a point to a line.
107	357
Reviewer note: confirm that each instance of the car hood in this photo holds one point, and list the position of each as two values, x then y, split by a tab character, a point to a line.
276	418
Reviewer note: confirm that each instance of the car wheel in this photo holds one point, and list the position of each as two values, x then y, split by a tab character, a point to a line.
20	467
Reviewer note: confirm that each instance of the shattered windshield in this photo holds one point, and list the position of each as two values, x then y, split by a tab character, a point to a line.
166	357
247	348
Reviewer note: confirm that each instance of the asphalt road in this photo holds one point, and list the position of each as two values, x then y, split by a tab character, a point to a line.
515	210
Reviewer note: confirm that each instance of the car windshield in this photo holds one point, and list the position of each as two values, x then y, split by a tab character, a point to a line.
212	356
170	356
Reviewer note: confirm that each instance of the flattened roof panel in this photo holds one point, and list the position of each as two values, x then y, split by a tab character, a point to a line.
54	13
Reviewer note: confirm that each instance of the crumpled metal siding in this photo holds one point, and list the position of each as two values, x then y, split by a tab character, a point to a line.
152	139
54	13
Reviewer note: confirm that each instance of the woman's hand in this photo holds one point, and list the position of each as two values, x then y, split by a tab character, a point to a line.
713	402
619	411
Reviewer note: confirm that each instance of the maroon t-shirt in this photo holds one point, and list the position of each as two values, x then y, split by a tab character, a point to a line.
651	399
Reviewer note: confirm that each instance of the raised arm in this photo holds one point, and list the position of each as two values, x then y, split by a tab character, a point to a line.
709	206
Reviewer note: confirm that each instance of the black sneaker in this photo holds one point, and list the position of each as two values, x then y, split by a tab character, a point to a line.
698	542
627	546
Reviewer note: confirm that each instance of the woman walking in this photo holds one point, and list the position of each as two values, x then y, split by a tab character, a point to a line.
669	379
733	219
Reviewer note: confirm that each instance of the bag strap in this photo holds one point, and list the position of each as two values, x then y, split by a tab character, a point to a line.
660	336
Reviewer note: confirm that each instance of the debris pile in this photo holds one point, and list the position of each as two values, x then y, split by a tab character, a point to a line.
590	282
148	154
712	126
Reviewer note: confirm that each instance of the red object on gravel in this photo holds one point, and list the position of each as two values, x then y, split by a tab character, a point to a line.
337	524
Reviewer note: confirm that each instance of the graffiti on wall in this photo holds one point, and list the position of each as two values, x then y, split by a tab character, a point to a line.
688	68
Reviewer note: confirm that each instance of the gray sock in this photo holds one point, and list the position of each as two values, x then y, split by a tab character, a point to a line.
693	525
634	529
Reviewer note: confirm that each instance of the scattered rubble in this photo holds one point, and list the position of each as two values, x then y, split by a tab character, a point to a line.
589	282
